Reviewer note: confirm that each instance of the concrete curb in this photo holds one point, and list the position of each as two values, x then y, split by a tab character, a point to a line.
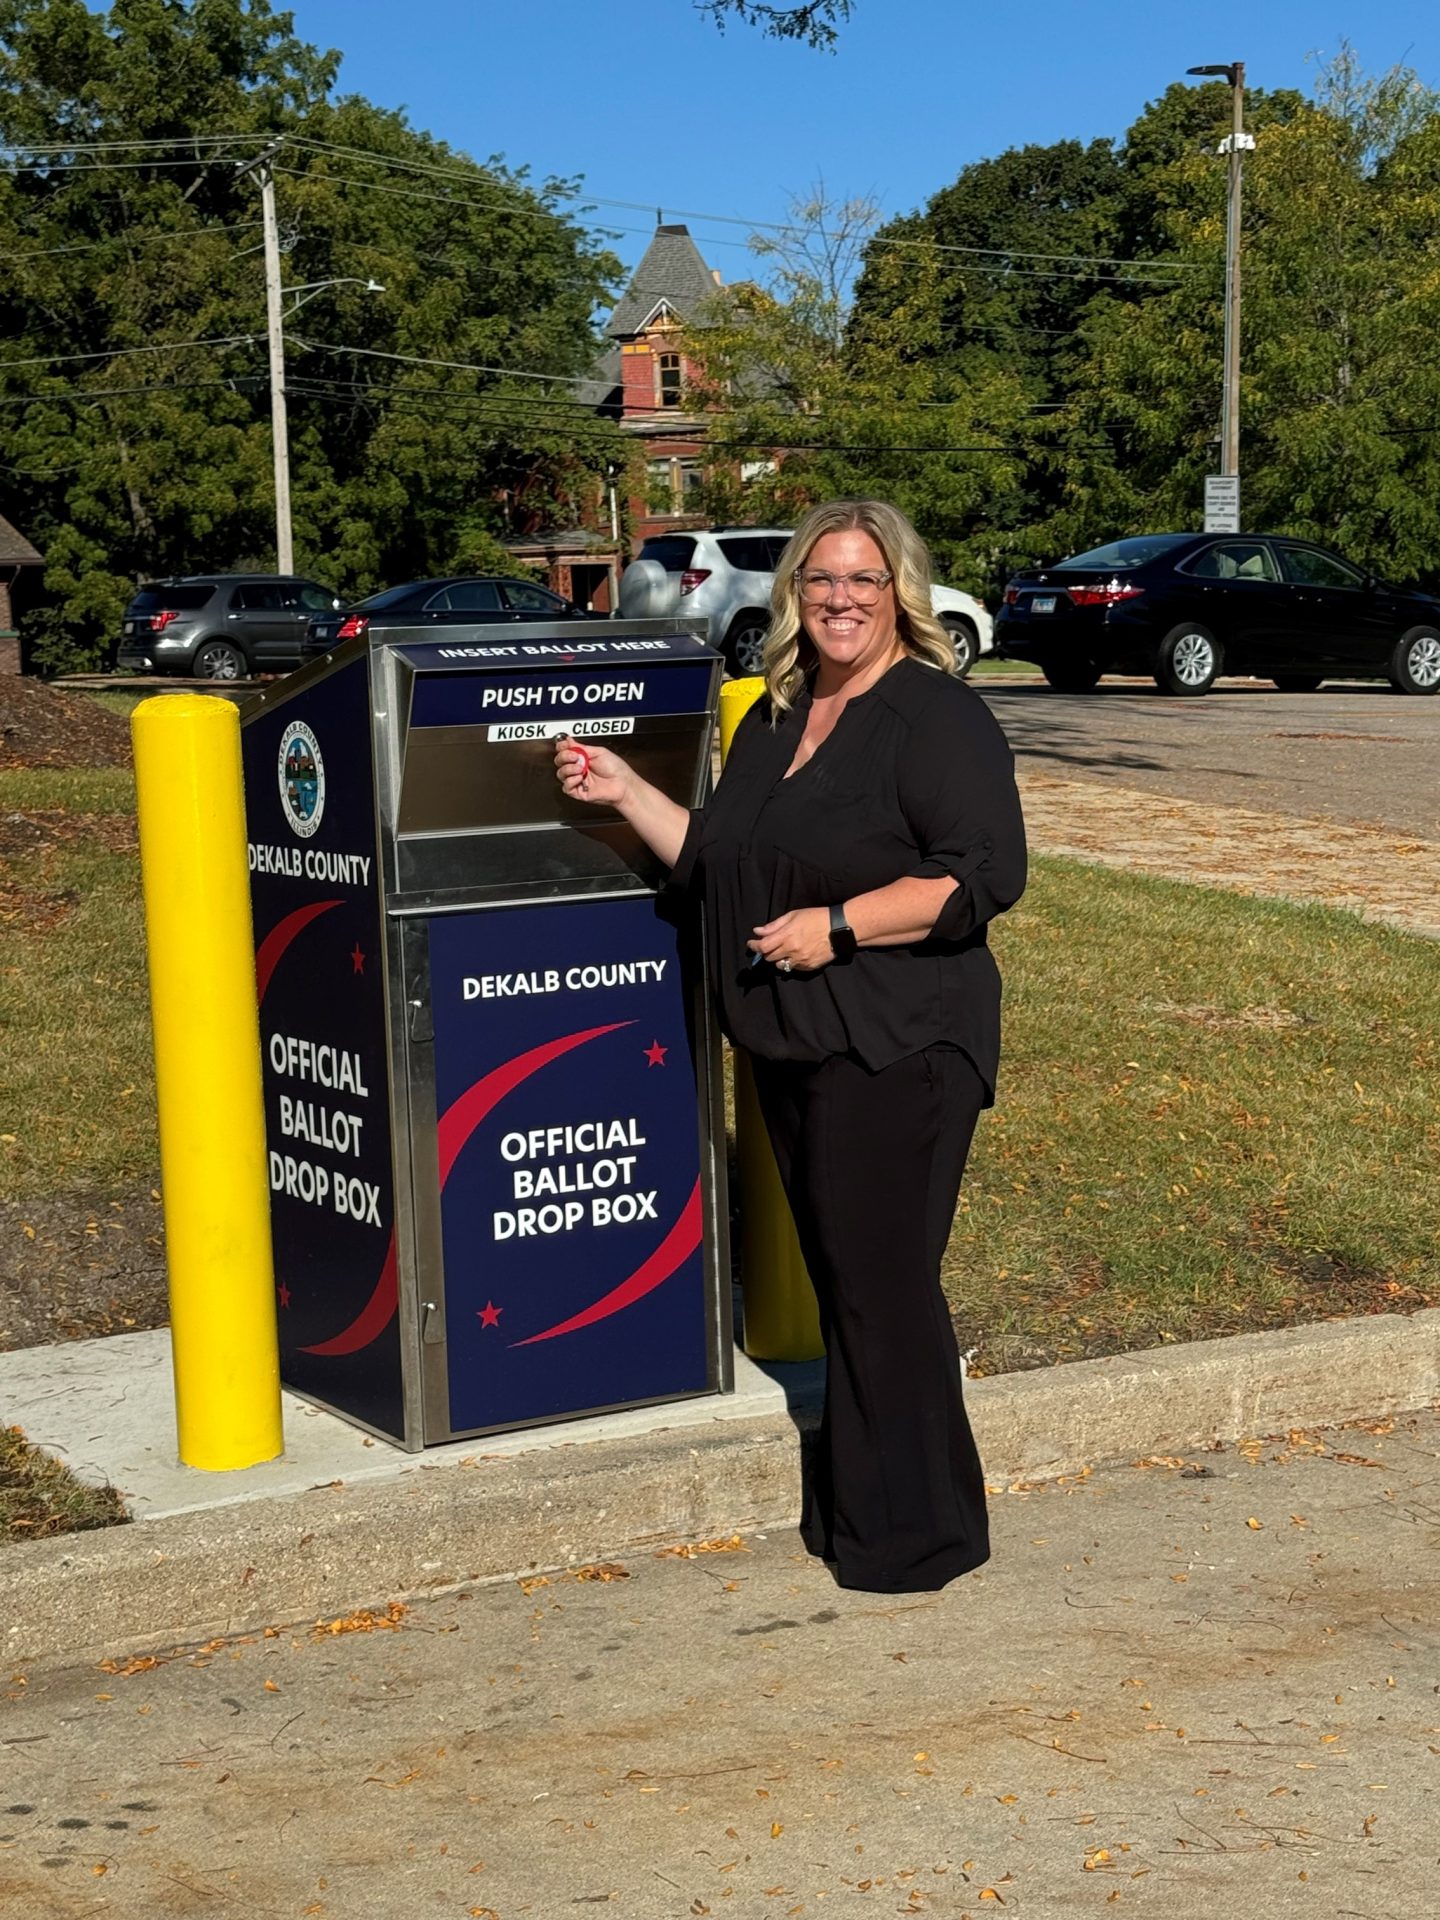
238	1567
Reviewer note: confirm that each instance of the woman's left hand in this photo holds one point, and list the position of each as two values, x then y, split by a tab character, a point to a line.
800	938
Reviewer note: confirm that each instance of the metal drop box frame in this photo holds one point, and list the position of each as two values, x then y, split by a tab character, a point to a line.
494	1106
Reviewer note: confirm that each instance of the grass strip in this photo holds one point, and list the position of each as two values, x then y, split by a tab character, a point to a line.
40	1496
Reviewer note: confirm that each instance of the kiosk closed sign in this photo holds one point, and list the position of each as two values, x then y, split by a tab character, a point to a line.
566	1107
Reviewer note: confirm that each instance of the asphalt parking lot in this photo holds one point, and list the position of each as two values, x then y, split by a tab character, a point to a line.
1359	754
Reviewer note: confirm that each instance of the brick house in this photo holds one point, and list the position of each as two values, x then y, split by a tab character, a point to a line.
649	377
15	552
642	382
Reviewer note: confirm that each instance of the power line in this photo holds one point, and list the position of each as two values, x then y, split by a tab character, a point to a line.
238	383
450	366
995	259
115	353
119	239
130	146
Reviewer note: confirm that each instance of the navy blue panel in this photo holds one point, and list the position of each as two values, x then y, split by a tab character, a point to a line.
571	693
315	897
569	1161
487	655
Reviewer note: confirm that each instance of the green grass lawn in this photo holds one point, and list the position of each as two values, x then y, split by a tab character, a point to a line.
1215	1113
988	666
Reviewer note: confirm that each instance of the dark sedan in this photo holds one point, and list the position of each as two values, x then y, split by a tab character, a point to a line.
1187	607
456	600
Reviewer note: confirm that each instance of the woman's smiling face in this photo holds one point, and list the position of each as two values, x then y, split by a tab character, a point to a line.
849	639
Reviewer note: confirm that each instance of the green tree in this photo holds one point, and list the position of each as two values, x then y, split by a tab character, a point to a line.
816	23
150	455
847	408
1340	388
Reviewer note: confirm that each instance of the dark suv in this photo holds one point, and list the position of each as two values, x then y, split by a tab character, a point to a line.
220	626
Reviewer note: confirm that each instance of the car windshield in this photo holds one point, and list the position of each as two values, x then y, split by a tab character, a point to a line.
1120	554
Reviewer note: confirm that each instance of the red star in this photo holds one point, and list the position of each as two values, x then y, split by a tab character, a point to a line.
284	1294
489	1315
357	959
655	1053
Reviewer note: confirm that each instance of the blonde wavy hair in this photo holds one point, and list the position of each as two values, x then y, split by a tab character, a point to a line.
789	655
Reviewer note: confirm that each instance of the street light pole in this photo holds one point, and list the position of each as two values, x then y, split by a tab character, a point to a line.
262	165
275	326
1235	147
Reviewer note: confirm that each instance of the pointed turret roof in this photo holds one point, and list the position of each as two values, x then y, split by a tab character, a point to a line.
672	273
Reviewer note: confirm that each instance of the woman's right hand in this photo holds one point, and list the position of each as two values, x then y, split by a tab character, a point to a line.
591	773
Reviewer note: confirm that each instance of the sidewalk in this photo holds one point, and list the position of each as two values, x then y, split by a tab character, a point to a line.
341	1521
1200	1685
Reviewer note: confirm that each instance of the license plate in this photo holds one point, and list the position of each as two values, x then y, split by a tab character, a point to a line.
1043	603
129	626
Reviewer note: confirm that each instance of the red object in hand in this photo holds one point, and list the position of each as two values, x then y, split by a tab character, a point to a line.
584	761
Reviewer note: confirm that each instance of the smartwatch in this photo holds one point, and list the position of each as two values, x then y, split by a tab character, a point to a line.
842	935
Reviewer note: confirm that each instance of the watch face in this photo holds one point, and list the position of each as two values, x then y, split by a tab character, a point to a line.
842	938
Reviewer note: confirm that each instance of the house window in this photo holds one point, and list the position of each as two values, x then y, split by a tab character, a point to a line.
674	485
667	379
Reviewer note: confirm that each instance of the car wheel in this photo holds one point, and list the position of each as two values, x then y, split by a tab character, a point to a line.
219	660
1297	682
1415	663
1071	676
744	647
1187	661
967	644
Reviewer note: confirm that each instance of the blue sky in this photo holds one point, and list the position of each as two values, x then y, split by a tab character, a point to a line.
652	105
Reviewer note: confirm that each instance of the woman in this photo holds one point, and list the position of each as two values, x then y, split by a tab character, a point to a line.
865	831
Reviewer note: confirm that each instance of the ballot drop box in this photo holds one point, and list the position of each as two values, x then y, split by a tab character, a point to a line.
492	1097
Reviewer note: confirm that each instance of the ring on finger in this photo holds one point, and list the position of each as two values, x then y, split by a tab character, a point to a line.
785	966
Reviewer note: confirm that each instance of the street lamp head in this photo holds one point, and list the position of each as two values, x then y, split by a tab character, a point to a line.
1226	72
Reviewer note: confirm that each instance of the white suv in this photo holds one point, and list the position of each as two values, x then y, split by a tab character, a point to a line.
724	576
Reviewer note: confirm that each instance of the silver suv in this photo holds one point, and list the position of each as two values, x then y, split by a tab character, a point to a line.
724	576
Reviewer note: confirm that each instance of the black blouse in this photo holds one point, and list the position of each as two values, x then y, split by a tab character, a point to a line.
916	778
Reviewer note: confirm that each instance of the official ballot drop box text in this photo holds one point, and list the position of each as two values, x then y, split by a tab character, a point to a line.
492	1097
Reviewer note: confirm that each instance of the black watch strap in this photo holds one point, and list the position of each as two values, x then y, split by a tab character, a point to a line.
842	935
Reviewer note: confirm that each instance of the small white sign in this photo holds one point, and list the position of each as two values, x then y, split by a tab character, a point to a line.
552	729
1222	503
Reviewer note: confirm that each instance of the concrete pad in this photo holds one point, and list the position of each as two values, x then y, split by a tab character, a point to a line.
107	1408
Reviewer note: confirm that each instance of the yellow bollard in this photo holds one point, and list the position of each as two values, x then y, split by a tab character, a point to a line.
782	1321
207	1080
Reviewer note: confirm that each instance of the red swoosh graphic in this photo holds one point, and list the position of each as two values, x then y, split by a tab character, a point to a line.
272	948
457	1124
679	1243
373	1317
462	1117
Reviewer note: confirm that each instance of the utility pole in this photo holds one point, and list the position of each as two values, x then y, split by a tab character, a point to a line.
1234	147
263	166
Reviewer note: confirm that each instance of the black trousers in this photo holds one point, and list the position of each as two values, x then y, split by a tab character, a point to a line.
871	1164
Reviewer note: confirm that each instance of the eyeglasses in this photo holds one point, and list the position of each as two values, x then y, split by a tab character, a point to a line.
864	589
